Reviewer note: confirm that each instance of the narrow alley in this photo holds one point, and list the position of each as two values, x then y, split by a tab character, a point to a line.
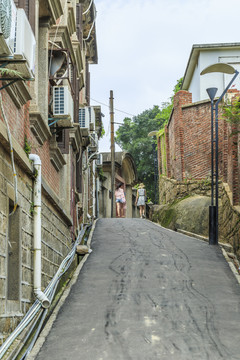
147	293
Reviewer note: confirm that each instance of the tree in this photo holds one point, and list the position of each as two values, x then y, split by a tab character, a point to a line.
133	137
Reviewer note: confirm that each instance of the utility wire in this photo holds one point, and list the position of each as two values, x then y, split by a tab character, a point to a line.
124	112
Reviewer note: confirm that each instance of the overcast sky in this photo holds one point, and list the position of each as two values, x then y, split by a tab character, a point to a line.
144	46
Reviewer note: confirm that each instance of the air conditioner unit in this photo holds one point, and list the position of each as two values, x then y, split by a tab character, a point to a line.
25	42
87	117
8	15
83	118
62	106
99	161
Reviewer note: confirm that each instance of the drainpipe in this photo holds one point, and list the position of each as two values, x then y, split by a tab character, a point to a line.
37	242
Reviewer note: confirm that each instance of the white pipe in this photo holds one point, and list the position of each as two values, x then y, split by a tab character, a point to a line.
37	242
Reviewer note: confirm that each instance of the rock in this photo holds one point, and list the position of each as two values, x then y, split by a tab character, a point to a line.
190	214
82	249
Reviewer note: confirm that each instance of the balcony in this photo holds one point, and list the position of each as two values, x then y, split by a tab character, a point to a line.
51	9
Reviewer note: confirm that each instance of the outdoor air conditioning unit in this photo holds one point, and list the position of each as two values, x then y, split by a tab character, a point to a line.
83	117
99	161
25	42
62	106
8	15
87	117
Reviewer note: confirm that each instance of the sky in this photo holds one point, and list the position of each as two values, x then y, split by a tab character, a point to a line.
144	47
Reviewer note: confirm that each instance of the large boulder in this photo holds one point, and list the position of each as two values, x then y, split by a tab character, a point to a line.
190	214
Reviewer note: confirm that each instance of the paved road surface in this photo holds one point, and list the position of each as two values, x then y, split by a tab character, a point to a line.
148	293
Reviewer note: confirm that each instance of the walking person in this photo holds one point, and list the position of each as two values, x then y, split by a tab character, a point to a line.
141	199
120	199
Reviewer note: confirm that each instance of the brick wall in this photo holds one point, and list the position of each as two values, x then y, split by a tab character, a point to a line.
188	144
197	141
176	134
18	120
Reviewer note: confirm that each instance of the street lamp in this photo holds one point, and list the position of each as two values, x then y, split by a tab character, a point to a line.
213	209
154	133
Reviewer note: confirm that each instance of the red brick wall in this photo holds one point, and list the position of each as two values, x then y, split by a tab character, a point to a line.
197	141
188	144
176	135
18	121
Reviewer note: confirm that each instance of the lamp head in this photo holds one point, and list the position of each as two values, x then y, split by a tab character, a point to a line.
219	67
212	92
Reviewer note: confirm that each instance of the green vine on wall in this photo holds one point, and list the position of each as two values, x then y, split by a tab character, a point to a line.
27	146
231	113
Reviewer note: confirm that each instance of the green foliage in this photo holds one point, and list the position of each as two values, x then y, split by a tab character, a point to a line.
133	137
31	211
177	87
27	146
100	174
231	113
10	72
102	132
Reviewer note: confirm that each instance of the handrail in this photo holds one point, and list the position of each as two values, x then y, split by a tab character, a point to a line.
49	292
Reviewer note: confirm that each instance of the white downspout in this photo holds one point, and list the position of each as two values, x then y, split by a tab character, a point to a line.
37	242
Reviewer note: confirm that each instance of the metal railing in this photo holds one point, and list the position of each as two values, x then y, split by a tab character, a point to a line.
36	313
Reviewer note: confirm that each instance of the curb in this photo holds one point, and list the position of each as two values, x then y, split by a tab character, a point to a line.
44	333
224	247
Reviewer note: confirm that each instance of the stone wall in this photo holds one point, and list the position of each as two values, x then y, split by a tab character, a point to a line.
172	191
229	221
16	242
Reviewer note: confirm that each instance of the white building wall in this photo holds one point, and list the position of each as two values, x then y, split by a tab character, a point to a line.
194	87
199	84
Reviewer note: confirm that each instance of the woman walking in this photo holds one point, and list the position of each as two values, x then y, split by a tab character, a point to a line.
140	200
120	200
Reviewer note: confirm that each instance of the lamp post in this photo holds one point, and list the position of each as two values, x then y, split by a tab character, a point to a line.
213	209
154	133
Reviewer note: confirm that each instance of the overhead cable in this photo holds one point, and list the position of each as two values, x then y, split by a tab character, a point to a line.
124	112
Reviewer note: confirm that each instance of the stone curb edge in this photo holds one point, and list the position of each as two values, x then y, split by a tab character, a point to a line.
222	245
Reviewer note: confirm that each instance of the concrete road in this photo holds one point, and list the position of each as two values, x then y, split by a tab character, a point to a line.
148	293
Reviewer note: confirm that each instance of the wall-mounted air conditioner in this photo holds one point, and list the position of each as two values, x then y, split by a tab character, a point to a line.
25	42
8	15
63	105
99	160
87	118
83	118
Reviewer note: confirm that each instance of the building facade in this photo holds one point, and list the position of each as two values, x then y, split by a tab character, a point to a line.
46	48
